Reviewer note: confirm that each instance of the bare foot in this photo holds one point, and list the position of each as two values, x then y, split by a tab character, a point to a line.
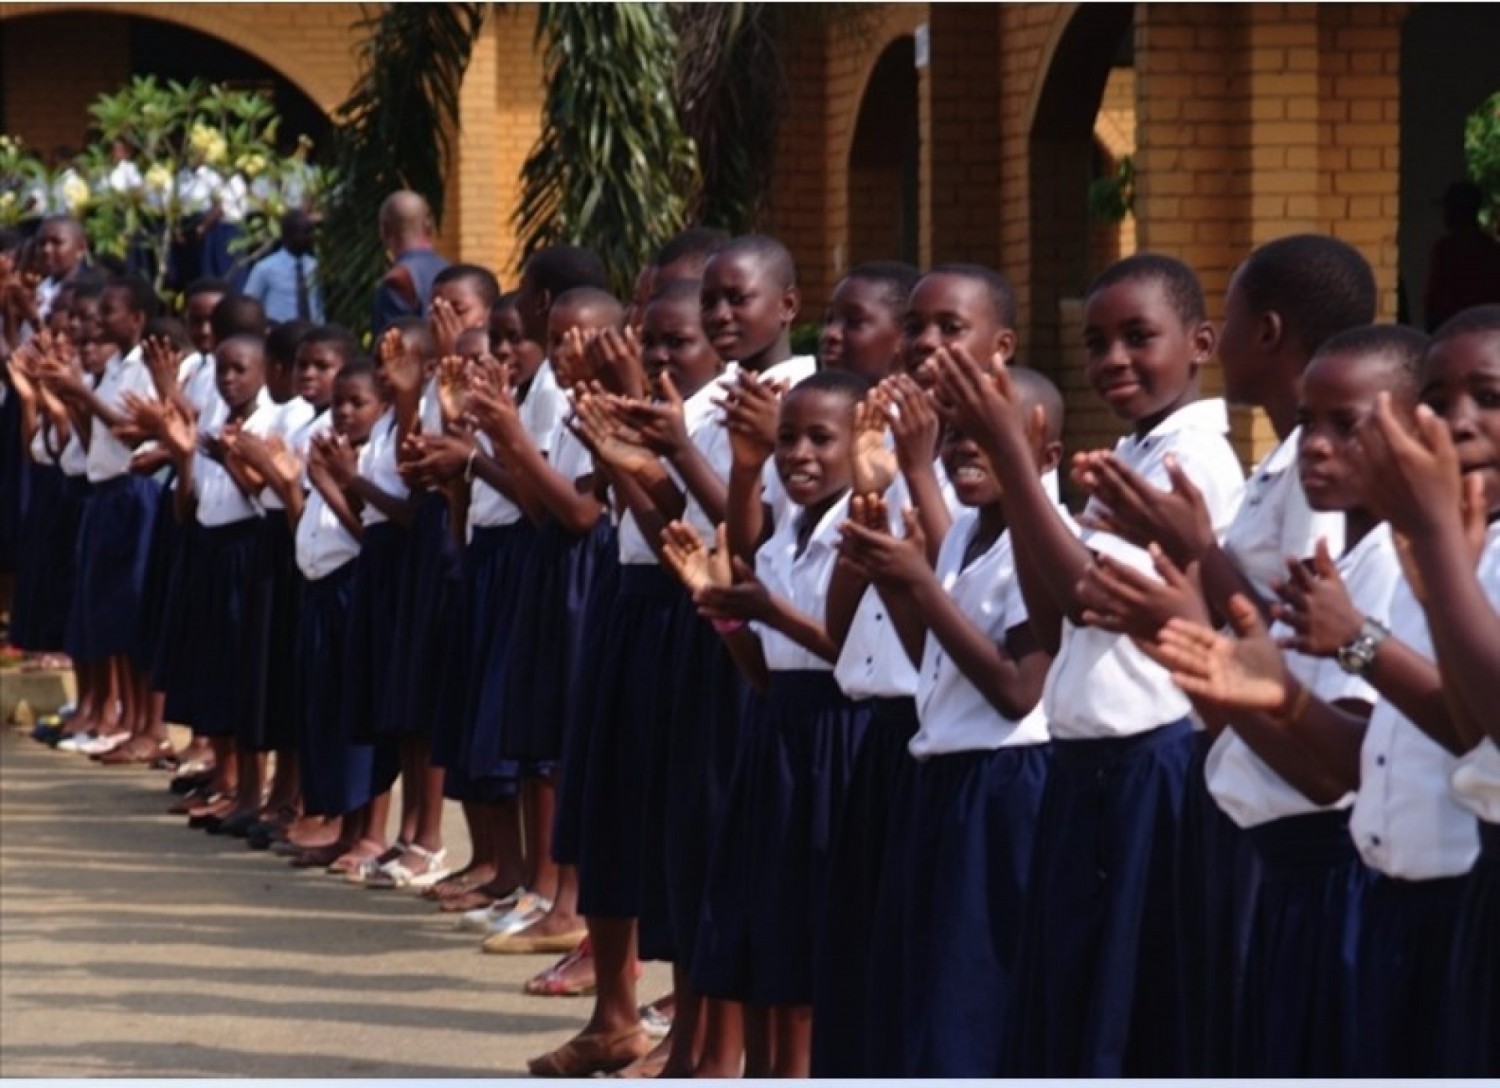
571	976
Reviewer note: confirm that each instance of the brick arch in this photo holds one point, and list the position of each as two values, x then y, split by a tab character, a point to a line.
311	46
883	161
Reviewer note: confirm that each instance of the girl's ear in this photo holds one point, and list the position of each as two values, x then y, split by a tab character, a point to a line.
791	305
1052	455
1005	345
1203	341
1269	331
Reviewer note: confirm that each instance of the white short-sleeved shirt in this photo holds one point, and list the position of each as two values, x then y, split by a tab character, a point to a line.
1101	685
197	380
430	408
954	716
108	457
541	411
1275	522
800	580
705	428
283	421
1476	777
323	544
72	459
220	500
1407	821
567	453
377	463
1244	785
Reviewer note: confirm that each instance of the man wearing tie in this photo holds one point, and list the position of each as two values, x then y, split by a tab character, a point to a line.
285	281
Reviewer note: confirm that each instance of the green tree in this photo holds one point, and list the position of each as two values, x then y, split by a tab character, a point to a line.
1482	150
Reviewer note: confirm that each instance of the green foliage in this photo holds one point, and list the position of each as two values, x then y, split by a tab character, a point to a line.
804	337
613	168
1111	199
24	182
1482	151
394	132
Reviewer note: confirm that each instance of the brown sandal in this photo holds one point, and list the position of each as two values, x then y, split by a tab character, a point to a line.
586	1055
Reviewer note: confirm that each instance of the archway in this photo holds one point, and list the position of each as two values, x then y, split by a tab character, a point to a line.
1064	158
1447	69
884	161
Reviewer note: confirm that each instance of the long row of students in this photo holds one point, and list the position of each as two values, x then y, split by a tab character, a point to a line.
797	674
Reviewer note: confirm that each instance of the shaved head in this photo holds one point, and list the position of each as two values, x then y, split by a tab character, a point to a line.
405	216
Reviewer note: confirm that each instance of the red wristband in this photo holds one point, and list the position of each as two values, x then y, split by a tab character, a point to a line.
727	627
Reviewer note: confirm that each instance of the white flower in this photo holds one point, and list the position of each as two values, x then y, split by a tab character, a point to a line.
75	193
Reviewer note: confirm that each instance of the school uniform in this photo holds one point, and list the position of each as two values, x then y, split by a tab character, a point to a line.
197	379
1421	842
1274	523
501	538
369	645
46	541
337	773
1471	1043
1295	1002
964	811
1104	963
768	872
114	532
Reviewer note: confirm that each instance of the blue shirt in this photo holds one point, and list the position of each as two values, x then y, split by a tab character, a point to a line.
423	265
273	281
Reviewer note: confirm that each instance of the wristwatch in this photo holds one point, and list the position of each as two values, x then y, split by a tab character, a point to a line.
1356	655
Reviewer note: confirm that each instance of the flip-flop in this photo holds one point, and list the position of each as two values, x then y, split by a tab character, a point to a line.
596	1052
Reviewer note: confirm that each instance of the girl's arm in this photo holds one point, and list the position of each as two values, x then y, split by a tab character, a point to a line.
748	599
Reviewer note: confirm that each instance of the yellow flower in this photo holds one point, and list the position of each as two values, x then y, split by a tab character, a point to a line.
75	193
251	164
158	178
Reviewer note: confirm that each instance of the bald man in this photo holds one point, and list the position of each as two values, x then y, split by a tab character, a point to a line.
406	234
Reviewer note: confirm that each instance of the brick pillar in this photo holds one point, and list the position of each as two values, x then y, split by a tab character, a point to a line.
963	83
470	226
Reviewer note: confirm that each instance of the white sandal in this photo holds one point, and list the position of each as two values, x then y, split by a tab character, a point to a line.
396	874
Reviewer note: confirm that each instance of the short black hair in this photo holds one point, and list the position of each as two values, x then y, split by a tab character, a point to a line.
561	268
87	289
896	279
139	294
844	382
481	279
776	257
1002	296
282	341
357	366
1398	347
170	329
254	340
1485	318
235	314
417	331
1318	284
676	291
207	286
1180	282
700	242
1036	388
341	338
591	298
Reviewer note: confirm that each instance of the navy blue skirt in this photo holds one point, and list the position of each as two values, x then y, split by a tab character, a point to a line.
767	879
171	667
1102	960
166	536
338	773
947	940
578	707
282	717
113	551
15	475
1473	1046
422	636
45	560
1401	976
703	738
632	698
842	992
368	665
1296	1008
540	695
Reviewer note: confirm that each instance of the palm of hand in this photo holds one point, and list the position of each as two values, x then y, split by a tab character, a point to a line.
874	463
452	393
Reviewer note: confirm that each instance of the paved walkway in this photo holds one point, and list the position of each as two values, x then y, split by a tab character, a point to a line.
132	947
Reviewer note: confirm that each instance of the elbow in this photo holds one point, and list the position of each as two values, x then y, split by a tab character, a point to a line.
1016	701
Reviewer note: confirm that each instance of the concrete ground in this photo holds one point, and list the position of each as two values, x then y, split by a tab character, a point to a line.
132	947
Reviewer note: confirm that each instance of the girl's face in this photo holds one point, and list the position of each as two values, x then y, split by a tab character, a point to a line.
1143	359
509	345
199	317
317	366
357	406
745	311
466	301
861	330
472	343
118	323
239	372
1337	393
813	440
947	310
1461	383
974	482
83	320
672	340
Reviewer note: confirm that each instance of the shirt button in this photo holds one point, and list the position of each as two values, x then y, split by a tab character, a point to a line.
869	661
1380	761
880	615
1374	840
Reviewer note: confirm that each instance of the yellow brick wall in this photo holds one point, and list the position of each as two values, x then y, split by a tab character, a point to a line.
46	103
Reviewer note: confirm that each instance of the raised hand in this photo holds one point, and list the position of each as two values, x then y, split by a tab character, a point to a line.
179	432
570	362
745	598
1124	600
867	542
873	463
491	405
914	421
337	458
401	366
751	408
161	359
20	378
1244	672
1139	513
615	358
1315	604
453	388
696	566
1412	478
609	439
446	326
981	402
661	424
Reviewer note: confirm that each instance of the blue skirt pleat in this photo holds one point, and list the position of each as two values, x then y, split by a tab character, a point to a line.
15	475
767	879
1102	953
165	541
703	735
630	704
422	635
1401	976
578	706
113	551
1296	1009
943	971
368	663
282	716
1473	1041
842	994
45	560
171	667
338	774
